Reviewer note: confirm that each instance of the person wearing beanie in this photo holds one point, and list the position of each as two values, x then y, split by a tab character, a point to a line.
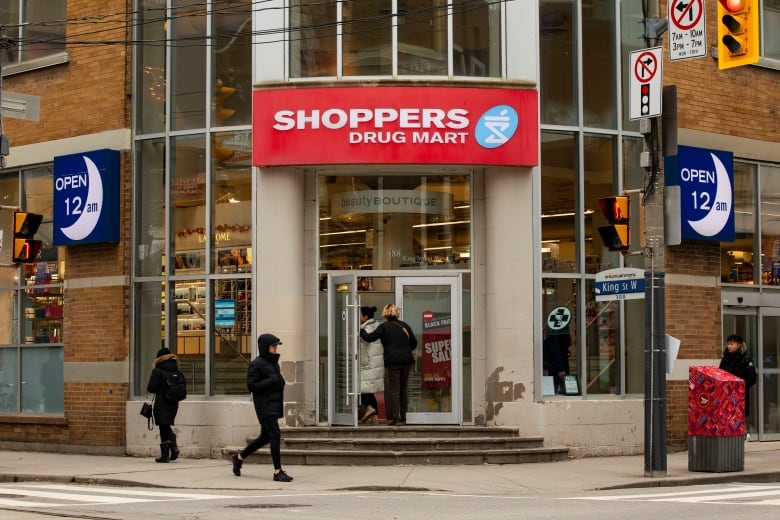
165	409
264	379
372	368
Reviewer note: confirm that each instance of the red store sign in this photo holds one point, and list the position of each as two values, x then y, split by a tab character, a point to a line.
395	125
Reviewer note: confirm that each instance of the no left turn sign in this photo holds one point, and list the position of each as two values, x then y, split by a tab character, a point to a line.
687	29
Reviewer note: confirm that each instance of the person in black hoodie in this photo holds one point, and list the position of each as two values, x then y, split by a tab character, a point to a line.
738	362
164	410
398	342
264	379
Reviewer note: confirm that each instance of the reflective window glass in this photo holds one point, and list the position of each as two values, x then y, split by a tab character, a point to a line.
231	53
312	39
559	189
558	62
770	229
188	64
736	258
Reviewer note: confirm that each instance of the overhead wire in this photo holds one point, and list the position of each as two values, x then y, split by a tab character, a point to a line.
200	9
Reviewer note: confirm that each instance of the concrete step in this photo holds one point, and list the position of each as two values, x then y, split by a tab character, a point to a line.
407	445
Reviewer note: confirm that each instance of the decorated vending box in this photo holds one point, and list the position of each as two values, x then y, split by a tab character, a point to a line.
716	403
716	420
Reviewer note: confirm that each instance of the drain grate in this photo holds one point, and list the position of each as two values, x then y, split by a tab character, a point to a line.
267	506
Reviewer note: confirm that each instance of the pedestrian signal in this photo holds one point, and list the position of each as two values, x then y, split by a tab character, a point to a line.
25	226
615	235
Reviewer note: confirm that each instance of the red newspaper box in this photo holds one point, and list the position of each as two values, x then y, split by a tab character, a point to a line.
716	420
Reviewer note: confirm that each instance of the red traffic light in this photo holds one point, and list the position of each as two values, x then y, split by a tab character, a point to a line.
733	6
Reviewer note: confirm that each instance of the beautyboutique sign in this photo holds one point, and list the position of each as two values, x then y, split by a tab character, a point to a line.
395	125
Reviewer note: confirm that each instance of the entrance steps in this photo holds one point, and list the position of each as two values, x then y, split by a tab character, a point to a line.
407	445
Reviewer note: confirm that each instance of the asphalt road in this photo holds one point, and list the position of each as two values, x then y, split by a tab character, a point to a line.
41	500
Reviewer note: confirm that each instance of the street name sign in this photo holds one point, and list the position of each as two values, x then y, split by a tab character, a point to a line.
623	283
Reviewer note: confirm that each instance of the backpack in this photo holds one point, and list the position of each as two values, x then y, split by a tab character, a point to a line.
174	387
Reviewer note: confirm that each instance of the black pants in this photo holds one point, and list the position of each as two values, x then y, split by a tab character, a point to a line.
369	400
396	396
269	434
165	433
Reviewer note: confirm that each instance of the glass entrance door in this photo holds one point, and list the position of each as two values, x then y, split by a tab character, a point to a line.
431	306
344	325
768	394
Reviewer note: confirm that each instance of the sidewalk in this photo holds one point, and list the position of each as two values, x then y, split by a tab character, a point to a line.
762	464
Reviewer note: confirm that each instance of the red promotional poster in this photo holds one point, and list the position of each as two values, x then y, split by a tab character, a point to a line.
716	403
375	124
436	349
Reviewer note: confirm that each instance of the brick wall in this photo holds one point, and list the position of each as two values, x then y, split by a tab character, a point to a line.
709	99
86	96
693	315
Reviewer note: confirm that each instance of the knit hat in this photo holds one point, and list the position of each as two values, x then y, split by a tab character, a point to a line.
163	352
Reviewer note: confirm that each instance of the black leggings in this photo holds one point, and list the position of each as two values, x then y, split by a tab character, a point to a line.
269	434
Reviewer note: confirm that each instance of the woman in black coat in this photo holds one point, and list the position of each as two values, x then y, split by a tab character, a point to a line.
264	379
164	410
398	342
736	361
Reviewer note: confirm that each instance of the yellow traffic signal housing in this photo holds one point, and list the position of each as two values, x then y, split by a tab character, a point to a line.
25	226
738	33
616	235
221	93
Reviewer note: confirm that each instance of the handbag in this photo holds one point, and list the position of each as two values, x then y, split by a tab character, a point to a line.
147	410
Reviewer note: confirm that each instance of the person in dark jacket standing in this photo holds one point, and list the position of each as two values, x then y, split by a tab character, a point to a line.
264	379
398	342
738	362
165	410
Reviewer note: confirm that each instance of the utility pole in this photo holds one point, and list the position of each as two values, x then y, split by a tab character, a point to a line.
655	324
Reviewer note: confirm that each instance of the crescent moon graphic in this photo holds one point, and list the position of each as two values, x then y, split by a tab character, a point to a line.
92	208
715	220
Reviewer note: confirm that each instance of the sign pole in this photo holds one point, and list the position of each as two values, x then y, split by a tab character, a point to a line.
655	347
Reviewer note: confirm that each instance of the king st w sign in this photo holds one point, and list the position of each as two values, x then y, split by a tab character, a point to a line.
625	283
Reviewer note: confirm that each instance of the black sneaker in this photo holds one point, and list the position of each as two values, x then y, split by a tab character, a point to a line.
282	477
236	465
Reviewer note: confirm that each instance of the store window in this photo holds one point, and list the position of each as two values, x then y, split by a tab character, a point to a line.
193	227
589	151
32	35
770	23
737	256
388	222
753	258
31	304
418	38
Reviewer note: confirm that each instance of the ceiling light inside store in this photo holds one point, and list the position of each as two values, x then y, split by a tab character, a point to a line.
566	214
433	224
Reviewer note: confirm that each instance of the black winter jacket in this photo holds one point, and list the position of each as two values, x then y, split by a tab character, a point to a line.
264	379
164	411
397	339
741	365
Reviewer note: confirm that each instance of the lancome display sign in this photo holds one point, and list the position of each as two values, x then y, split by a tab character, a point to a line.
86	198
706	181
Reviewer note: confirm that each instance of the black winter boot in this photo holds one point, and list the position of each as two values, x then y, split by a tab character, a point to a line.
165	448
174	448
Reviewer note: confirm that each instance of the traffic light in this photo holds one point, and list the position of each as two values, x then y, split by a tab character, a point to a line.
738	33
25	226
615	235
221	93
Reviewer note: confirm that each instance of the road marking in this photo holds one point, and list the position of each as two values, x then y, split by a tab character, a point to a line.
61	495
728	495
